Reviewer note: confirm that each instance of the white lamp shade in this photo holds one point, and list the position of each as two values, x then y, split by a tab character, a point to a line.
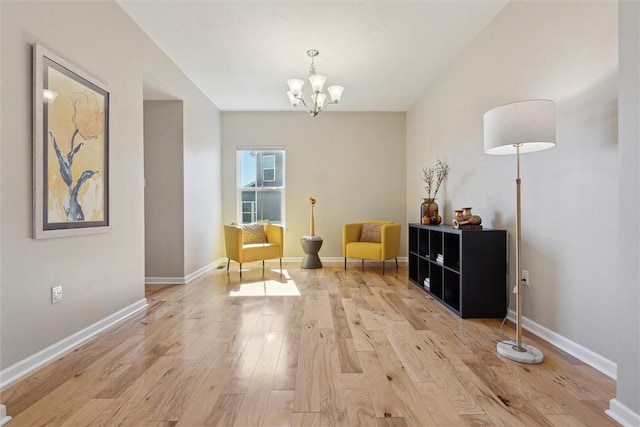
335	92
295	86
317	82
319	100
532	124
294	101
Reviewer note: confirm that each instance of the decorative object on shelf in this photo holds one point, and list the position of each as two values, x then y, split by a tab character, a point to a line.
318	98
429	212
466	220
312	231
433	178
520	127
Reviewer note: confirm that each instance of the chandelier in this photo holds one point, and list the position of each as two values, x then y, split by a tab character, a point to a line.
319	99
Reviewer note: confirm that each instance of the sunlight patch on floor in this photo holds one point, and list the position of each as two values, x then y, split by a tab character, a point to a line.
267	287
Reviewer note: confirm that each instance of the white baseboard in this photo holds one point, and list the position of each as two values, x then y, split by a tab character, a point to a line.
164	281
186	279
589	357
328	260
622	414
355	260
3	415
33	362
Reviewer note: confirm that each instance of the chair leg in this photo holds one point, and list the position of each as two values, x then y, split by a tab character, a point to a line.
345	263
281	266
383	264
228	262
240	269
363	265
396	263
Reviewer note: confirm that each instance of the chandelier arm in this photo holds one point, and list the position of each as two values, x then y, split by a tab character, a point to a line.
306	107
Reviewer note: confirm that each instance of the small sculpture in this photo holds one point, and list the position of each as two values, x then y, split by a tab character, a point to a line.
312	230
465	219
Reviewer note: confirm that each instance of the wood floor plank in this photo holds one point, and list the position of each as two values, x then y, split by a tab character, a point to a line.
87	414
206	395
256	397
384	400
390	310
408	315
352	348
415	411
333	410
287	369
371	313
349	361
241	376
225	410
410	350
361	338
306	419
279	410
133	406
359	408
391	422
307	379
443	413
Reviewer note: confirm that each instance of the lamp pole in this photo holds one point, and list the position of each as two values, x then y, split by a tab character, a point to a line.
518	347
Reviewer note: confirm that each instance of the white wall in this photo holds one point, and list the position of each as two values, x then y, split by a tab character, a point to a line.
203	237
567	52
352	163
164	189
102	273
628	278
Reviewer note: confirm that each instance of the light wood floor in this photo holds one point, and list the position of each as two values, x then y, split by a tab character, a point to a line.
313	348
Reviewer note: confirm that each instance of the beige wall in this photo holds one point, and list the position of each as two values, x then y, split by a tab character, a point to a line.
101	273
182	193
352	163
583	270
567	52
164	189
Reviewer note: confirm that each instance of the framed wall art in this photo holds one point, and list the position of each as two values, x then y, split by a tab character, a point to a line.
70	149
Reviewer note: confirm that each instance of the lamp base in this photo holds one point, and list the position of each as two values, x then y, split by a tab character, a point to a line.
525	354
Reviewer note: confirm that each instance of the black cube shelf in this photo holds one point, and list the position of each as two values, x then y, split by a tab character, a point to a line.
466	270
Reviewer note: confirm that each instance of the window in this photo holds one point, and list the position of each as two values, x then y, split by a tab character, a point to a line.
269	168
261	184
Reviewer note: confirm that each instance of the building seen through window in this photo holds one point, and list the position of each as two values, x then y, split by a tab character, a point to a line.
261	184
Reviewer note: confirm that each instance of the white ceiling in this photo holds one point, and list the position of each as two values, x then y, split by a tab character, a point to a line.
240	53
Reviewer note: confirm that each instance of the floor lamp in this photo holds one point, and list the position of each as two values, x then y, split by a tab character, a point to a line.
518	128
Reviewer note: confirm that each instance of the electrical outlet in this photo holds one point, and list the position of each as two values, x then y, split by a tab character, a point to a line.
525	278
56	294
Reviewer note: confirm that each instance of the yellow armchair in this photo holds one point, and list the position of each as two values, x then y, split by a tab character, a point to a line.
241	248
372	240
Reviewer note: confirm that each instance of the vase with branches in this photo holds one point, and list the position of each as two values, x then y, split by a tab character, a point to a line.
433	178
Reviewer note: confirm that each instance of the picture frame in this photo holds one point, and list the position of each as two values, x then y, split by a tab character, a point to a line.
70	149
